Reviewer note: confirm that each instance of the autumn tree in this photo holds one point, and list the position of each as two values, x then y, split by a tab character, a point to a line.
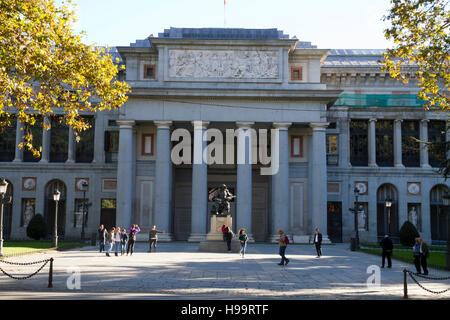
45	69
420	32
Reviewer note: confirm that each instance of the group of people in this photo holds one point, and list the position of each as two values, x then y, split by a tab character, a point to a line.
420	253
118	239
122	241
283	241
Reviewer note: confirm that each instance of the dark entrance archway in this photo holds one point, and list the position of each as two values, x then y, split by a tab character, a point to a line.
438	217
50	207
387	219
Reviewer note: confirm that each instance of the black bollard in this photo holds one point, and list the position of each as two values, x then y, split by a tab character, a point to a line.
405	284
50	274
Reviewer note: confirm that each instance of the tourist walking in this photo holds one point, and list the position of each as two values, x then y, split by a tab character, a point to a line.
283	242
387	248
132	231
101	236
153	238
109	241
123	241
243	239
228	236
421	254
117	238
224	232
318	243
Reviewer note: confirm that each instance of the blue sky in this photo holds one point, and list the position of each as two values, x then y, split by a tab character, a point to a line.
333	24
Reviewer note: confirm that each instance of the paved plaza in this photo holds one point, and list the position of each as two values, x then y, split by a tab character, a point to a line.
179	271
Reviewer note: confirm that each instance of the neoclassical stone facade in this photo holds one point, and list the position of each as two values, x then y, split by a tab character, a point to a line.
340	123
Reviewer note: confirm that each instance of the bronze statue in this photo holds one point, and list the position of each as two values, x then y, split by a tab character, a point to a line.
221	197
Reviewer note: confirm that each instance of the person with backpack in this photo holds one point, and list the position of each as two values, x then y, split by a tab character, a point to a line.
228	236
132	231
318	243
283	242
243	239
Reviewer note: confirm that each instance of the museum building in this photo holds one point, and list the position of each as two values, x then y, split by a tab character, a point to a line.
343	124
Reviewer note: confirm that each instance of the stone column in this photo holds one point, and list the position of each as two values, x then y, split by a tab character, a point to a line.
46	141
423	146
199	185
319	179
244	178
163	180
398	143
99	137
19	138
280	182
344	144
71	148
124	174
372	149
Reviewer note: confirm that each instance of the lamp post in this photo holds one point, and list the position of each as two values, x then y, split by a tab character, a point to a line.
356	192
388	206
3	200
84	186
446	200
56	197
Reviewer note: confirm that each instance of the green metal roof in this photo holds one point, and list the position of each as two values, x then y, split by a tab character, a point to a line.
378	100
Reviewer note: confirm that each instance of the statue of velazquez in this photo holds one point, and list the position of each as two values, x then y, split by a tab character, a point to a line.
221	197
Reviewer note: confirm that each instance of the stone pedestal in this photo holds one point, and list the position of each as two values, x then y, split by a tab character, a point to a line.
214	239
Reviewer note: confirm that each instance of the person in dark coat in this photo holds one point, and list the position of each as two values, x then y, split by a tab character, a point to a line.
228	236
421	254
318	242
387	247
101	235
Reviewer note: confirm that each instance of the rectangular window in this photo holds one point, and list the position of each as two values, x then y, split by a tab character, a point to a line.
111	146
436	138
147	145
149	71
36	132
410	144
59	137
296	146
384	143
85	147
358	143
8	141
332	150
296	73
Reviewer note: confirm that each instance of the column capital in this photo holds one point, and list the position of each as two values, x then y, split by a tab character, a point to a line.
425	120
372	120
163	124
398	120
125	123
319	125
282	125
244	125
199	124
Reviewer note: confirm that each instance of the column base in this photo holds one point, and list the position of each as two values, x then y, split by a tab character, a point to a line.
18	160
399	165
425	166
196	237
373	165
70	161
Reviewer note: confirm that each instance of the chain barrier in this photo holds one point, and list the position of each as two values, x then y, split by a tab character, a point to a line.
413	274
44	263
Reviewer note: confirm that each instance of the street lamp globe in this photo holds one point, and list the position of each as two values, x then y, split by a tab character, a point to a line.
84	186
3	186
56	195
388	202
